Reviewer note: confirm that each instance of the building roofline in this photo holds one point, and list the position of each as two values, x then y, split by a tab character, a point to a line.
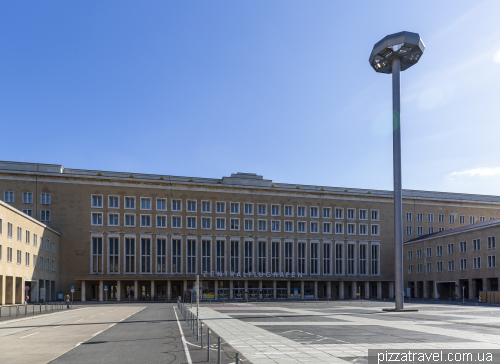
7	206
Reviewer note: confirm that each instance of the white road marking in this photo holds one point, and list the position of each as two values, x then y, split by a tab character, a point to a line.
112	325
79	320
59	326
29	335
80	343
97	333
186	350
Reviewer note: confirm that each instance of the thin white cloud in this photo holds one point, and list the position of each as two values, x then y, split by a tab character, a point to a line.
481	172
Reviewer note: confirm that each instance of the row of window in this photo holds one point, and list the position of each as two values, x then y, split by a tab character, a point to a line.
476	264
476	245
256	257
234	224
28	237
441	219
234	208
39	261
8	196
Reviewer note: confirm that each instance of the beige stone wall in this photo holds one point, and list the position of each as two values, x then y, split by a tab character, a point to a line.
18	272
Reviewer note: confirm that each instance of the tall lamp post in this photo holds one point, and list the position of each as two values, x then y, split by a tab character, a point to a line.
393	54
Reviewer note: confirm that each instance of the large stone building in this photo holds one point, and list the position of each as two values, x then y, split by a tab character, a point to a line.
454	263
142	235
29	251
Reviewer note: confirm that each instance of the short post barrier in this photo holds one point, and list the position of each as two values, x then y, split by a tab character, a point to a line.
208	345
9	310
219	346
237	359
201	333
26	310
40	307
194	324
17	311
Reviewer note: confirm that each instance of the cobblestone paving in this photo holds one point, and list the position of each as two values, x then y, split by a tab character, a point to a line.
340	333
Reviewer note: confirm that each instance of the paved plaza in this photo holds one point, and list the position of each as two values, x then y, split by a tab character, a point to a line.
336	332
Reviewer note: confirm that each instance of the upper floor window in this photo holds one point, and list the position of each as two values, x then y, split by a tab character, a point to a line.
191	206
326	212
430	217
288	210
301	211
452	219
96	218
27	197
96	201
161	204
275	210
472	219
441	219
248	209
408	216
45	198
130	202
462	219
476	244
451	248
221	207
113	202
235	207
261	209
339	213
491	242
176	205
420	217
206	206
351	213
363	214
375	215
44	215
314	212
145	203
8	196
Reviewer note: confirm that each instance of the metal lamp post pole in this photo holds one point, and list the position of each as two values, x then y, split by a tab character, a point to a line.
398	203
198	304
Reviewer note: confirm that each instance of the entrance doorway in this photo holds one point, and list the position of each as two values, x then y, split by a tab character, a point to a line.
145	292
94	289
176	291
161	291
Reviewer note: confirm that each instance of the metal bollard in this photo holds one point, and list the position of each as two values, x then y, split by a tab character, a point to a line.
9	310
25	310
201	328
237	360
197	330
194	324
219	346
208	345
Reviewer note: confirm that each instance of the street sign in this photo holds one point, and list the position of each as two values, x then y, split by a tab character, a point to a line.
129	288
72	287
27	288
105	288
72	290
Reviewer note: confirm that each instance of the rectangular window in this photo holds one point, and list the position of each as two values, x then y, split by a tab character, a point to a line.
161	204
261	209
351	213
452	219
301	227
339	228
409	255
375	216
44	215
482	218
176	256
235	208
191	222
327	247
113	219
176	222
96	255
428	252
145	203
145	255
248	224
221	207
430	230
28	212
27	197
27	237
206	223
439	266
113	202
130	202
463	246
9	255
351	229
462	219
176	205
441	219
492	261
327	228
439	250
363	214
339	259
47	245
408	230
420	217
362	258
476	244
19	233
441	229
288	257
314	258
419	268
451	265
45	199
375	230
161	256
301	211
375	262
275	210
472	219
161	221
47	263
129	255
129	220
288	210
8	196
408	216
491	242
191	206
419	253
363	229
235	256
191	256
53	247
96	201
327	212
220	256
35	238
275	226
35	258
248	209
420	230
41	258
350	258
451	248
206	256
113	256
235	224
206	206
275	257
430	217
262	225
301	257
262	257
476	263
314	227
27	259
145	220
221	224
463	264
19	256
339	213
314	212
410	269
248	256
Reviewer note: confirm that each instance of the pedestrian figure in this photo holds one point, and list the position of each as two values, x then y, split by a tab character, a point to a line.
67	299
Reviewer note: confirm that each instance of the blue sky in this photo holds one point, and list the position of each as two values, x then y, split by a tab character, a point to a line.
278	88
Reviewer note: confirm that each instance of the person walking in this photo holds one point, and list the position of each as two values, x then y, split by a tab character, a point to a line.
67	299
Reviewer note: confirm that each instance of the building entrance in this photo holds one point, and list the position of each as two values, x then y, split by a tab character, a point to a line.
176	291
145	292
161	291
94	289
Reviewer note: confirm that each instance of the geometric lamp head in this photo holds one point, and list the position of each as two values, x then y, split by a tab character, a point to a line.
407	46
